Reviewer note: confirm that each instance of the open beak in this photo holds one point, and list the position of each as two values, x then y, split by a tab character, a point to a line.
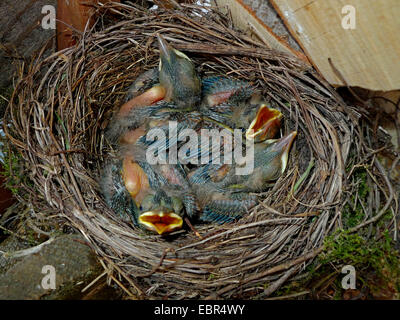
160	222
265	125
284	145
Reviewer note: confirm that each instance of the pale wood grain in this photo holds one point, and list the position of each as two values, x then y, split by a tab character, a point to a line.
245	19
367	56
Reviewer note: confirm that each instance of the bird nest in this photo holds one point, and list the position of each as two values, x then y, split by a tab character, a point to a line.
62	104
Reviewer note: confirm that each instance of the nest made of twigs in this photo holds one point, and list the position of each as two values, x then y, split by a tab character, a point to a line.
56	122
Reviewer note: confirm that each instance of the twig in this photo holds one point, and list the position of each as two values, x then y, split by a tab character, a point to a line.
236	229
385	207
26	252
193	228
281	267
289	296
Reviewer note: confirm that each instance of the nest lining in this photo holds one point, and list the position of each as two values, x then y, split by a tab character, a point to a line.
56	122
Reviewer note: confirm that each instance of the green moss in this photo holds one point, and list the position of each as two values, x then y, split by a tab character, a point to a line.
353	249
9	160
377	265
376	262
353	213
211	276
11	170
290	288
386	218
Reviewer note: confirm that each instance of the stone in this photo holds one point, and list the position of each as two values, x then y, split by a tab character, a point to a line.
21	34
74	264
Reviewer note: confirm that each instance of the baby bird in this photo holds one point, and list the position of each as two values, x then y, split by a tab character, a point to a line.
176	79
151	199
220	205
269	161
177	74
259	125
222	193
158	95
237	105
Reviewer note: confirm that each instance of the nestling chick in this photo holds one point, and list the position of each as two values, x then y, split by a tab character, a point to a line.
237	105
269	162
178	90
222	194
138	193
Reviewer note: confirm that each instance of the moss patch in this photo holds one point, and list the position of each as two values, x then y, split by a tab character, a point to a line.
377	266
